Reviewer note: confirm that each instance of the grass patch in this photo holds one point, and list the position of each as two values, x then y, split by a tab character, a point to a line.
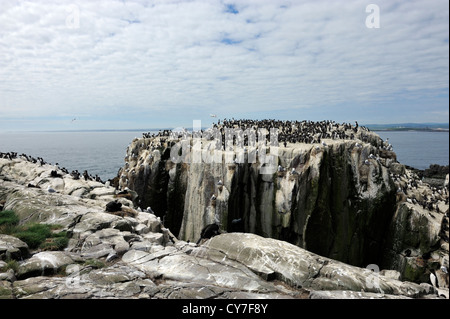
10	264
94	263
58	242
8	218
5	293
35	235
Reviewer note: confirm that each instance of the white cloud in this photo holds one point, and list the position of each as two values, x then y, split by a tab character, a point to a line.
139	56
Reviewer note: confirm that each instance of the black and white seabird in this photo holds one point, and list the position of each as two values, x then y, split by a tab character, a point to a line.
209	231
433	279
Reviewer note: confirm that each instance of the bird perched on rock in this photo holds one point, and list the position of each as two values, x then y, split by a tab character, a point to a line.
209	231
433	279
54	174
237	225
50	190
113	206
408	252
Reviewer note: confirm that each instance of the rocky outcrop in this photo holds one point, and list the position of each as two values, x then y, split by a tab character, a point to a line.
131	254
339	199
274	259
417	240
12	248
333	199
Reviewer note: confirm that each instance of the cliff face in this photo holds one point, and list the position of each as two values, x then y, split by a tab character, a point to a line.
333	199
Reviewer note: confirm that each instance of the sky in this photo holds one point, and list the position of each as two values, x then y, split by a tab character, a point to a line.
165	63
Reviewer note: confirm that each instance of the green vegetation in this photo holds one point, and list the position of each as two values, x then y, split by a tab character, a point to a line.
58	241
7	218
35	235
97	264
10	264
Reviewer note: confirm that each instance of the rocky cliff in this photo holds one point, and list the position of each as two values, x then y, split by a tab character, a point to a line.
339	198
129	253
325	198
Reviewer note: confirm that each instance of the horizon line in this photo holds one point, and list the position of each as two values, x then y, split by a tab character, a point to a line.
399	125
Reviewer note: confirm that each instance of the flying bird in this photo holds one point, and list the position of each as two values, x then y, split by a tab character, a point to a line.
213	115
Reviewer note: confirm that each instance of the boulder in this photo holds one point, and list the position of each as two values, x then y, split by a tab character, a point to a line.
415	230
352	295
93	221
12	248
6	291
397	168
274	259
43	263
97	251
186	268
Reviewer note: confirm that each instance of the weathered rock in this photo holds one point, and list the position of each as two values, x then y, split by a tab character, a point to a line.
352	295
397	168
338	200
9	275
6	290
43	263
132	255
415	230
116	281
332	203
98	251
156	238
185	268
141	229
93	221
12	248
275	259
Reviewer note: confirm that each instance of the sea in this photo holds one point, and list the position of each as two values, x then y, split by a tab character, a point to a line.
103	153
419	149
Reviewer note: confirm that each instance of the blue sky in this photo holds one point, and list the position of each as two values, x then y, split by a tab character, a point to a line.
150	64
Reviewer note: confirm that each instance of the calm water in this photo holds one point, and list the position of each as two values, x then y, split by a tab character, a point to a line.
419	149
99	153
103	153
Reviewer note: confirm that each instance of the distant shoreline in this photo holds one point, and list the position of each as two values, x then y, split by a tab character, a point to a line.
399	127
406	127
409	129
